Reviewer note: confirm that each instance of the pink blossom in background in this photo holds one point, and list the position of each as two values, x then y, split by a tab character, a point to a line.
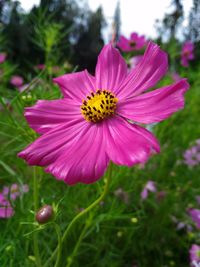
187	53
176	77
122	195
192	155
136	42
17	81
194	255
40	66
181	225
6	211
2	57
95	113
149	187
184	226
14	191
195	215
134	61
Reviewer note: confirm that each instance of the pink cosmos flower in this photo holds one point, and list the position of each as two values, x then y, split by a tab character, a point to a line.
195	215
6	210
40	66
194	255
187	53
149	187
192	155
2	57
15	191
90	126
17	81
135	42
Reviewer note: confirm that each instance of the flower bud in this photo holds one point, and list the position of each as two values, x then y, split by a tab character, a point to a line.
45	214
134	220
119	234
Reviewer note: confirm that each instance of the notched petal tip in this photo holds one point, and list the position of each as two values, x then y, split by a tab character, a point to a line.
184	84
146	74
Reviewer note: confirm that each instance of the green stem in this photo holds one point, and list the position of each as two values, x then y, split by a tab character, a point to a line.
59	244
94	204
82	213
70	259
7	111
35	203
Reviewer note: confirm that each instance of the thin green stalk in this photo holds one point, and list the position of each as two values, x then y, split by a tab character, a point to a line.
81	236
7	111
82	213
35	203
57	228
94	204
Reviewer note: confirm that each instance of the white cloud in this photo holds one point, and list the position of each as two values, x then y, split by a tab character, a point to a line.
28	4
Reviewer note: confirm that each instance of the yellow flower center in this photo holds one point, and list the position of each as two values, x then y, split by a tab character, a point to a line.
99	105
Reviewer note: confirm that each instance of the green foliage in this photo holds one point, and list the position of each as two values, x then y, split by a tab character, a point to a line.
31	36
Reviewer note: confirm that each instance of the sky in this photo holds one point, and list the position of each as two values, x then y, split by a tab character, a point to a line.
136	15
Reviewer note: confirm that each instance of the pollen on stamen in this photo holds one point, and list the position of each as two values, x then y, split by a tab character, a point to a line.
99	105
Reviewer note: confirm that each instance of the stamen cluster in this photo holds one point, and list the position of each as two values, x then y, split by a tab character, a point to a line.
99	105
132	43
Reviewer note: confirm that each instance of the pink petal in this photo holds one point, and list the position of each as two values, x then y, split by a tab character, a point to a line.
156	105
45	115
2	57
77	85
111	69
25	188
144	194
6	212
146	74
128	144
48	147
85	160
123	44
134	36
5	191
151	186
14	196
141	42
184	62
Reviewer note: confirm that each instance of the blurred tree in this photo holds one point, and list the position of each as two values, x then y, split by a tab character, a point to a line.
194	22
116	24
15	32
168	26
74	17
90	42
